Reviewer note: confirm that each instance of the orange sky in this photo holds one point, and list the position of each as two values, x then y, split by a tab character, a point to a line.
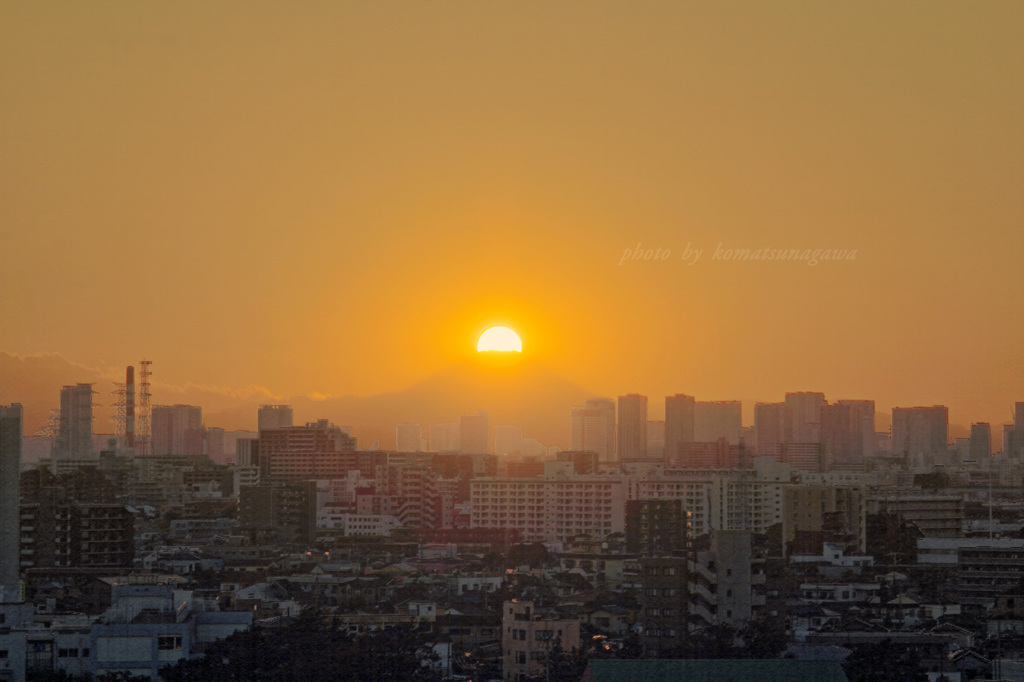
337	197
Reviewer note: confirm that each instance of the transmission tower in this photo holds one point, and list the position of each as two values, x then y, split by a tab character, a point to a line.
144	427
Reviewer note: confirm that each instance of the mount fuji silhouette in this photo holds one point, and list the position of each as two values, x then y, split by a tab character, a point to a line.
510	388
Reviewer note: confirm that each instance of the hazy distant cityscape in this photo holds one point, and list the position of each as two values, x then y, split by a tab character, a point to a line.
808	535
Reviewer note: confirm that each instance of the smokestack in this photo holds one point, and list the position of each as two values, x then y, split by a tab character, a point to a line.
129	408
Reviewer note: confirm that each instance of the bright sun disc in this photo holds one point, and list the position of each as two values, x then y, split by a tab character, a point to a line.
499	338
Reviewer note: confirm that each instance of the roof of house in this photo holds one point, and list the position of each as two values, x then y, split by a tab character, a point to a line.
718	670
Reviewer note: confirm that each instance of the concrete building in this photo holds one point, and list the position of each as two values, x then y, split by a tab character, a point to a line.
803	417
508	439
409	438
274	417
722	499
550	509
74	438
679	420
444	437
282	512
990	570
936	516
318	450
664	603
848	432
822	514
770	426
177	430
717	419
10	478
726	582
920	433
981	442
474	434
527	638
592	428
632	427
656	527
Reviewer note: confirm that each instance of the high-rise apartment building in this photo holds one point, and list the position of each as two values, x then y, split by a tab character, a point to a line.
408	438
632	427
300	453
274	417
10	523
981	442
848	432
679	416
508	439
919	432
770	426
177	430
592	428
803	417
474	434
717	419
74	439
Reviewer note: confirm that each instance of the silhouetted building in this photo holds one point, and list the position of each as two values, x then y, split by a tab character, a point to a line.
920	432
679	416
408	438
831	513
177	430
656	527
803	417
664	603
981	442
592	428
848	432
717	419
274	417
770	426
508	439
282	512
474	434
74	438
298	453
655	439
10	481
632	427
727	582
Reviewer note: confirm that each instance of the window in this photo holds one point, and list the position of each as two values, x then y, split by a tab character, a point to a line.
520	657
168	643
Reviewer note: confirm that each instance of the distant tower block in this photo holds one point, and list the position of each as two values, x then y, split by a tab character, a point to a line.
144	425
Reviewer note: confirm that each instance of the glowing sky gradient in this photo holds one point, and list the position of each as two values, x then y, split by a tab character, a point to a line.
337	198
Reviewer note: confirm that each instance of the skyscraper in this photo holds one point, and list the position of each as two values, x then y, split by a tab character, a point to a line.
770	425
474	434
632	427
920	431
593	428
74	439
177	430
803	417
679	411
408	438
274	417
10	535
981	441
717	419
848	431
508	439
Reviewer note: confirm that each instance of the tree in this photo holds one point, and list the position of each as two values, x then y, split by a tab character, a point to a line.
884	662
312	648
764	637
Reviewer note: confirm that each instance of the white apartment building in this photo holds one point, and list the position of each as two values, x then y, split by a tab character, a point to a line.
547	509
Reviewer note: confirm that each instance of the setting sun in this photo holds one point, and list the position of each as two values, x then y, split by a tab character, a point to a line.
500	339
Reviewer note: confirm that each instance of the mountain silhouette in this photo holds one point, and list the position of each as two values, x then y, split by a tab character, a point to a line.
510	388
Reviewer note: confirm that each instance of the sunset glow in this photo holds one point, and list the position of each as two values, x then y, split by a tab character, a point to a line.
499	339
